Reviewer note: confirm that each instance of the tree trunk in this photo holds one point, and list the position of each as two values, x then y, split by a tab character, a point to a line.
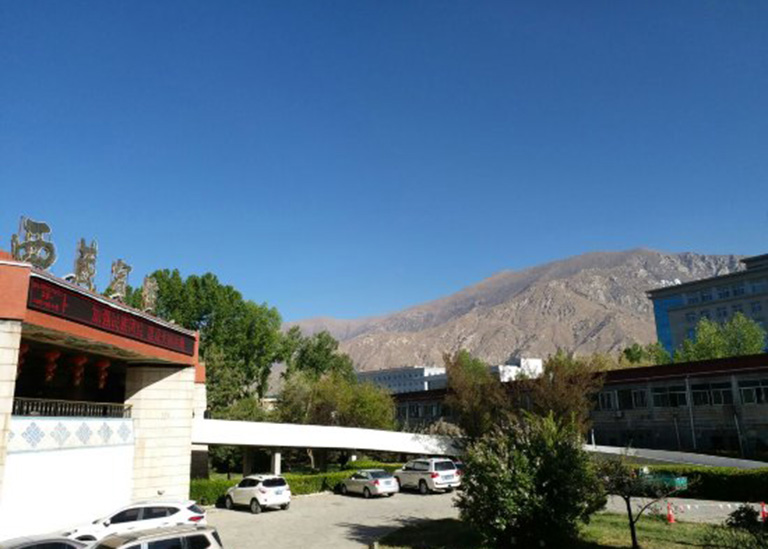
635	545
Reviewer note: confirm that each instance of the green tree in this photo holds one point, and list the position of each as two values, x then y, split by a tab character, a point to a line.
316	355
645	355
567	387
739	336
530	485
621	479
229	458
475	395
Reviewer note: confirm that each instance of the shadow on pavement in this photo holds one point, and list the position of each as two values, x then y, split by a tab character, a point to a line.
365	533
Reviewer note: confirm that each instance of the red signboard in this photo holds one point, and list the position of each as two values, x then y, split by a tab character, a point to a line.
50	298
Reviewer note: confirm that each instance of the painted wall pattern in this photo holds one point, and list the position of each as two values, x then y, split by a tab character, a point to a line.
39	434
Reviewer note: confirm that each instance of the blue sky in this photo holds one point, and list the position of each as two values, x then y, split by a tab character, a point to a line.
353	158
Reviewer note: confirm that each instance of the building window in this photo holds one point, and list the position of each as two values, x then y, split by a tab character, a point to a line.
692	299
756	307
691	334
753	392
722	313
706	295
606	401
737	309
690	317
738	289
759	286
721	394
723	292
700	395
705	314
669	397
660	398
639	398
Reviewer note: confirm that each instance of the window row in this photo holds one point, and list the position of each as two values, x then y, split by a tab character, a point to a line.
727	291
721	313
702	394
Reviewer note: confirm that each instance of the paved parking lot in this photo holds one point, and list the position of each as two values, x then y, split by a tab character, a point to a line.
327	521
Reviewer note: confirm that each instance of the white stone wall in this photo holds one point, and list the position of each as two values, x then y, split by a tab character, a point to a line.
162	400
63	472
10	337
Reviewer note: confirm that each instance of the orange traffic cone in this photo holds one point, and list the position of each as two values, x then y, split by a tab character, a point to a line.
763	512
670	514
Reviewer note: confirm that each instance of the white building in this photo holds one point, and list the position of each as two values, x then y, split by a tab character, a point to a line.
425	378
404	380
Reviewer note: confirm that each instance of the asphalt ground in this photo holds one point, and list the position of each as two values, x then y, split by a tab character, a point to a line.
327	521
330	521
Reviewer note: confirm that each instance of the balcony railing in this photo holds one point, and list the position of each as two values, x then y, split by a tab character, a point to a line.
69	408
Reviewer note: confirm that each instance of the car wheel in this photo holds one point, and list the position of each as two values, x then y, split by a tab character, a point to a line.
423	488
448	490
399	484
390	494
285	506
343	489
366	493
228	503
255	507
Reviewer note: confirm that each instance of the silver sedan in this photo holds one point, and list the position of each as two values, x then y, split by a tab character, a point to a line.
370	482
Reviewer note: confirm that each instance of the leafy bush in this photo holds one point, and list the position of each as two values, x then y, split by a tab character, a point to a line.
368	464
212	491
529	485
720	483
745	517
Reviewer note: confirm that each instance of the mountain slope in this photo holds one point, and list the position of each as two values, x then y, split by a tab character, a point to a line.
591	302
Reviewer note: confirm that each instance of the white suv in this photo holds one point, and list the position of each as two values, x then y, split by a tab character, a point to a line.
258	492
184	537
429	474
141	516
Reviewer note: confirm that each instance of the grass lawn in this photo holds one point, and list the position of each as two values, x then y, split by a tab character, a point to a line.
605	530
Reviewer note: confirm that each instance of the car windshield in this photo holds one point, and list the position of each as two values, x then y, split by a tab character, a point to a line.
273	482
444	466
195	509
379	474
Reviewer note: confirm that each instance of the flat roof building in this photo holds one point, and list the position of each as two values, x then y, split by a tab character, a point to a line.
678	308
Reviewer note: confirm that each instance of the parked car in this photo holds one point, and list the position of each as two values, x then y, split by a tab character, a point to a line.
42	542
370	482
141	516
179	537
428	475
259	492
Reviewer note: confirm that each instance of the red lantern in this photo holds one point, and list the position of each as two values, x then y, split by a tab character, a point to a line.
102	365
50	364
78	368
23	349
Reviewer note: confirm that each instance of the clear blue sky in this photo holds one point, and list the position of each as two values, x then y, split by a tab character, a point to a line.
353	158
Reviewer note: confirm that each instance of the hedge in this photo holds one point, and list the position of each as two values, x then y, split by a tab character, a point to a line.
720	483
212	491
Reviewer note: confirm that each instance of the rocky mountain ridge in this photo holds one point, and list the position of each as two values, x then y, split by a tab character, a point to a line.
590	302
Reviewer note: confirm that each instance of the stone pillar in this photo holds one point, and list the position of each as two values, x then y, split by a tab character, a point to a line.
10	339
161	398
276	463
248	460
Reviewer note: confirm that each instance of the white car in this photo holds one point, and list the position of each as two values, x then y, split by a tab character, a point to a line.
141	516
428	475
370	482
259	492
175	537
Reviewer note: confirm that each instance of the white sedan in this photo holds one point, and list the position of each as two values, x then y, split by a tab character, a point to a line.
370	482
141	516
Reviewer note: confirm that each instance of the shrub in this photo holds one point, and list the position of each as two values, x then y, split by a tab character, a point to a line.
368	464
720	483
212	491
529	485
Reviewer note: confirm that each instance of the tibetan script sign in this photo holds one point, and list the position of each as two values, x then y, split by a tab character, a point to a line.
50	298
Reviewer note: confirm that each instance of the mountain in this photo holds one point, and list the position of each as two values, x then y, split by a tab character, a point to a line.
591	302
